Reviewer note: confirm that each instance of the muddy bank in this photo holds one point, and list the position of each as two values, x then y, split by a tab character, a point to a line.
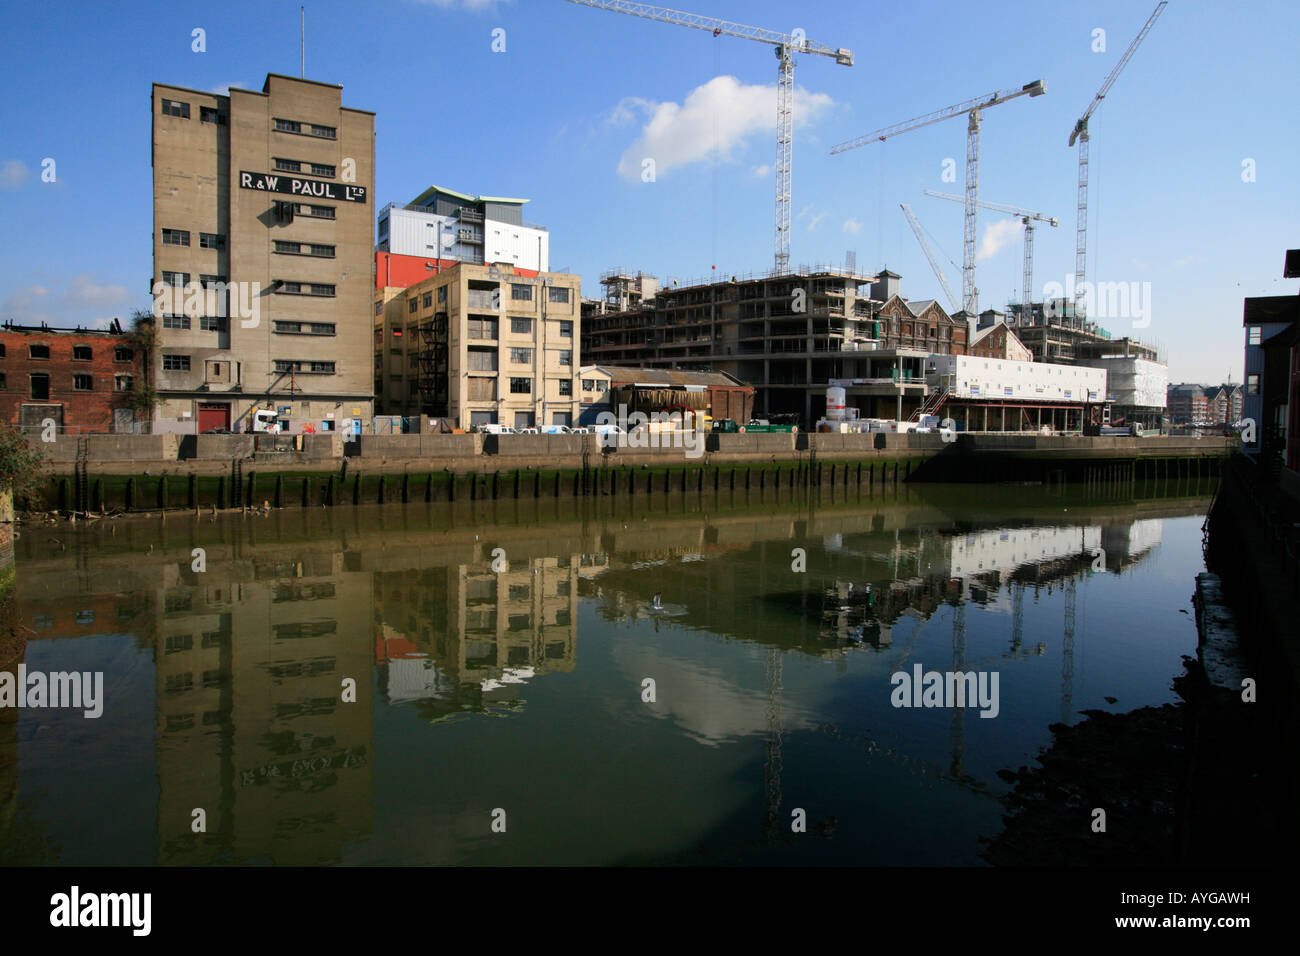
1185	784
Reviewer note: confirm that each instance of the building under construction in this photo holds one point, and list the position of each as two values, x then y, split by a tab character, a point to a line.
788	335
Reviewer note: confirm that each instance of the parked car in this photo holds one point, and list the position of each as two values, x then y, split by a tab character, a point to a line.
494	430
725	425
556	430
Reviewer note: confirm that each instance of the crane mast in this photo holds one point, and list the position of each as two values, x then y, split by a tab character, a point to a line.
925	247
973	108
1027	217
786	46
1080	135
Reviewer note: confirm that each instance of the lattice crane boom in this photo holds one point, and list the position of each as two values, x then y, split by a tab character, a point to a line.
925	247
1080	135
973	110
786	45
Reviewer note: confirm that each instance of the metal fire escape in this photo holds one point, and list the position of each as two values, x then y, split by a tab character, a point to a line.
431	366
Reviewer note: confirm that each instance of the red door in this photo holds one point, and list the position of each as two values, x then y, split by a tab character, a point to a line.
213	415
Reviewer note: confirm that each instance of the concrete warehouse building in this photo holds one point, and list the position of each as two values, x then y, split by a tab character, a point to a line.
787	335
262	256
480	345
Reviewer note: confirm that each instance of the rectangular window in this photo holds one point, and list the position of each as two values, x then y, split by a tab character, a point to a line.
123	354
82	353
123	383
521	386
1254	335
323	251
287	248
521	326
82	383
321	169
287	165
521	356
176	108
426	300
210	114
176	321
521	293
212	323
559	294
320	328
177	280
566	357
287	126
209	281
588	384
322	368
176	237
442	294
566	329
482	389
318	288
324	132
3	386
176	363
379	308
40	383
566	386
211	240
412	305
482	360
315	212
1252	384
481	327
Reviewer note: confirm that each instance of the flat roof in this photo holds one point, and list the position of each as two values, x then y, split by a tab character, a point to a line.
465	196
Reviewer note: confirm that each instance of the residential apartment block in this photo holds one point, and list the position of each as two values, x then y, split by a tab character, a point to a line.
480	345
445	224
263	260
787	335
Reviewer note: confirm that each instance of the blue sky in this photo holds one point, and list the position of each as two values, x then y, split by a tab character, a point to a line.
565	114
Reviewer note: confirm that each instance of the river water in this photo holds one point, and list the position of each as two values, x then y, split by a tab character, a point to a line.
695	679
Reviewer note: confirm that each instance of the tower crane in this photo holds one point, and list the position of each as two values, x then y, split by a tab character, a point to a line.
1028	218
786	45
1080	135
934	263
973	109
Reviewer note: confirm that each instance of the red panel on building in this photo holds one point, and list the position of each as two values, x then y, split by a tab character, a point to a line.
404	271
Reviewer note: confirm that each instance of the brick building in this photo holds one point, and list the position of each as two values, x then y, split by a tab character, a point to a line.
80	378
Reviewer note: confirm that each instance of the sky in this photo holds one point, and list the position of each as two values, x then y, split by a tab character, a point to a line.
1195	185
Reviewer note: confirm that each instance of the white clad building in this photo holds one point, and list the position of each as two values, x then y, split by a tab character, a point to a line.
479	230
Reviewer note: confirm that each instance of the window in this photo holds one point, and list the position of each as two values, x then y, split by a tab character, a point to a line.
3	386
482	389
481	327
287	126
123	383
427	300
2	350
304	328
177	280
83	383
521	386
287	248
212	323
320	289
379	308
209	282
176	321
38	351
123	354
566	386
324	132
40	386
521	293
287	165
521	326
81	353
1252	384
176	363
566	357
521	356
482	360
566	329
559	294
1254	335
323	251
211	240
588	384
315	212
210	114
322	368
442	294
175	237
320	169
176	108
304	367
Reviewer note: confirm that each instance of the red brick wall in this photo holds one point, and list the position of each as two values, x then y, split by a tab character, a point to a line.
88	411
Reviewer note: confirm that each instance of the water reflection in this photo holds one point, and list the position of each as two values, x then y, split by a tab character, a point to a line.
247	661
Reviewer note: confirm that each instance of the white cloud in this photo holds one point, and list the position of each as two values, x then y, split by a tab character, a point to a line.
814	220
852	226
762	172
82	292
711	124
997	236
83	302
13	173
